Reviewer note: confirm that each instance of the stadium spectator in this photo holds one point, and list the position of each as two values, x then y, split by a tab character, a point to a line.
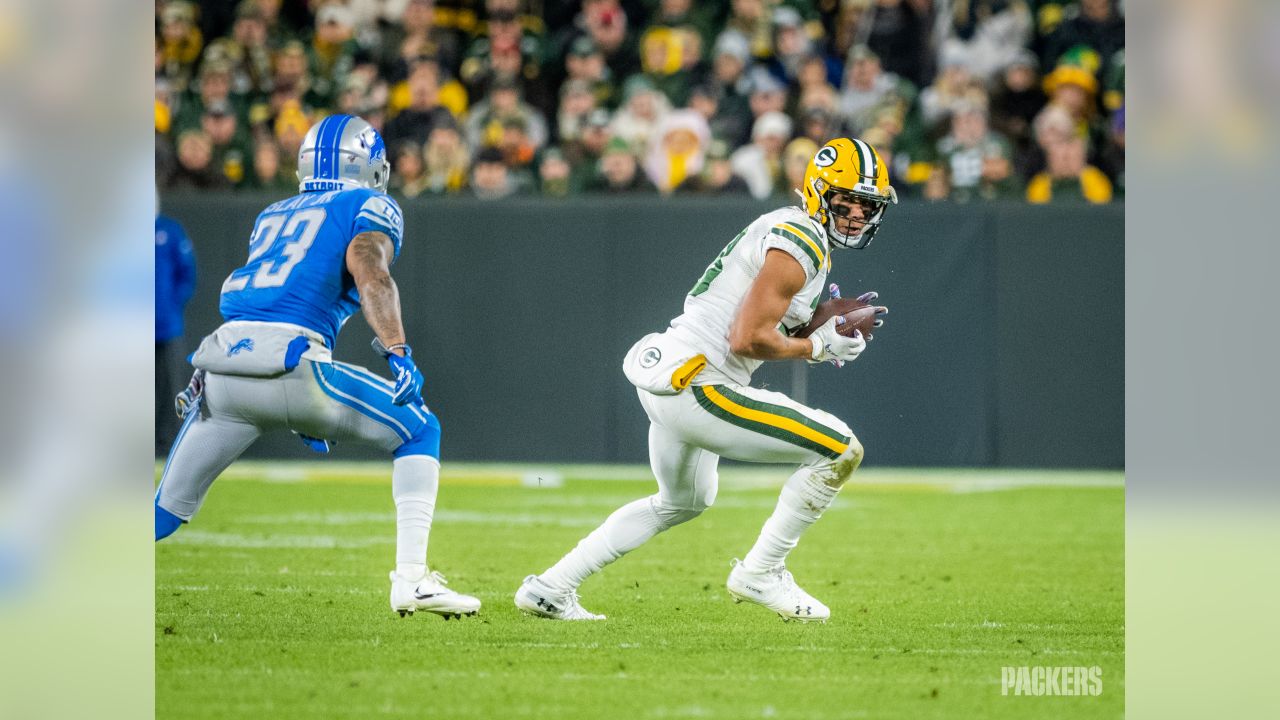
291	79
760	161
415	35
196	170
954	87
1068	176
678	149
708	101
662	63
867	86
988	34
505	51
584	154
751	19
230	143
683	15
175	270
213	87
792	45
577	102
447	159
290	128
484	126
619	174
605	22
819	125
717	176
812	79
768	94
795	161
729	74
554	174
248	51
1094	25
424	112
1074	89
1017	99
899	33
585	63
490	177
409	179
270	173
643	108
978	161
180	42
331	53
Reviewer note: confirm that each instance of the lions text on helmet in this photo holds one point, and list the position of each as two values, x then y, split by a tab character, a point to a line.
846	189
343	152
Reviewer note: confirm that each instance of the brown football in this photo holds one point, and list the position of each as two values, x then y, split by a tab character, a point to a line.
857	316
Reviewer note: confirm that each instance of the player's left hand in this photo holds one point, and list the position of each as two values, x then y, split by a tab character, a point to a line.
409	379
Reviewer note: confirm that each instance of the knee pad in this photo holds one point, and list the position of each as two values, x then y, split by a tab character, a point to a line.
670	515
425	441
836	472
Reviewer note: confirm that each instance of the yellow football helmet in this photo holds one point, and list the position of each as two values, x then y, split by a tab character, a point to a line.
852	168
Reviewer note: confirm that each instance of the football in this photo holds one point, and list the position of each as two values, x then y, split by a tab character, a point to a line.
858	316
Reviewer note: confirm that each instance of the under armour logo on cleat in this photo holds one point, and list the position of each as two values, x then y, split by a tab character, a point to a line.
807	610
542	603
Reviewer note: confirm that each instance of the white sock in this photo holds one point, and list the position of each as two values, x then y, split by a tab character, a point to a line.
629	527
801	503
415	479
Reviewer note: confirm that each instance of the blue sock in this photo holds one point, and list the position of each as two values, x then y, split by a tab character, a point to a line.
166	523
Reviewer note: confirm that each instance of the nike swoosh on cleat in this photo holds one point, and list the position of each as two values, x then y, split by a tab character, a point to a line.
428	596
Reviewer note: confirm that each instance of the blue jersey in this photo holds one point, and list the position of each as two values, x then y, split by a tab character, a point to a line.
297	267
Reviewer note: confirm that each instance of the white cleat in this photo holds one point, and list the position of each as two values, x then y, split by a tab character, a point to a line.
535	598
776	589
429	594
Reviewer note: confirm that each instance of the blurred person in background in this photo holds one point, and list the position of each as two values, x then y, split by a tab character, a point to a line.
518	151
866	86
577	102
792	45
955	86
554	174
424	112
643	108
684	14
820	125
291	80
1068	176
753	20
584	154
795	161
728	73
717	176
1017	99
270	175
899	33
230	141
585	63
978	160
413	35
619	174
988	34
937	184
410	178
505	51
484	122
175	270
606	23
490	177
196	170
1093	24
447	160
678	149
249	51
812	79
760	161
1075	89
180	42
331	53
290	128
768	94
212	87
724	122
661	63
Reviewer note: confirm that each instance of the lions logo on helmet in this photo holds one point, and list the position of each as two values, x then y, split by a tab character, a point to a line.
343	152
852	168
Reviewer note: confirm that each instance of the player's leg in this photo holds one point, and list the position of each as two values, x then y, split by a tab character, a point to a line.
341	402
763	426
211	437
687	482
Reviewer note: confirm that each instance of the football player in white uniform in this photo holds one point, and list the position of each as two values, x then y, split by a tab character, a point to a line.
693	381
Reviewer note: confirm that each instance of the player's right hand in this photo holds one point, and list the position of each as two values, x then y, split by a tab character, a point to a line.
830	346
409	379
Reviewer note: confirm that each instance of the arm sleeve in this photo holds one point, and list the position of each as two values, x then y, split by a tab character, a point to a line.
380	213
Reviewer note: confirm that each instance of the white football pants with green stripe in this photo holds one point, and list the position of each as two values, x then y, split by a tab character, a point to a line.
688	434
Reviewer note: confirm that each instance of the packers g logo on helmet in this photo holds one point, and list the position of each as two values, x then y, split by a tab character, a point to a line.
850	167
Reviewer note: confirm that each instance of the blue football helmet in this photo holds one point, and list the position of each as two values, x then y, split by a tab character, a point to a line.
342	152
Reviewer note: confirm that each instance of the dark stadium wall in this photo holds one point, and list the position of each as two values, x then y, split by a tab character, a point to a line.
1004	344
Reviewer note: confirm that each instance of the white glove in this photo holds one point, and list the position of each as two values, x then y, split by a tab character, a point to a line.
830	345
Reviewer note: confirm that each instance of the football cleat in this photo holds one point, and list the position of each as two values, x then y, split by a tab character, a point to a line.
429	594
535	598
775	589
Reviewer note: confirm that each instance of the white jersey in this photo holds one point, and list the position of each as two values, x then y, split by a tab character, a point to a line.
712	305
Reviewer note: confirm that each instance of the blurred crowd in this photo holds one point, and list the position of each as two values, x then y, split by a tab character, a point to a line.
964	99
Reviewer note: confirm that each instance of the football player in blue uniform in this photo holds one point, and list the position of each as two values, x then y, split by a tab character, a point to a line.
314	259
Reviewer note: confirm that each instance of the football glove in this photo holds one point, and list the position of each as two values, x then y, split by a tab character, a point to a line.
189	398
830	346
408	378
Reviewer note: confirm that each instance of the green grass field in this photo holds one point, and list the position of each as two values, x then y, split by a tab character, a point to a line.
273	604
